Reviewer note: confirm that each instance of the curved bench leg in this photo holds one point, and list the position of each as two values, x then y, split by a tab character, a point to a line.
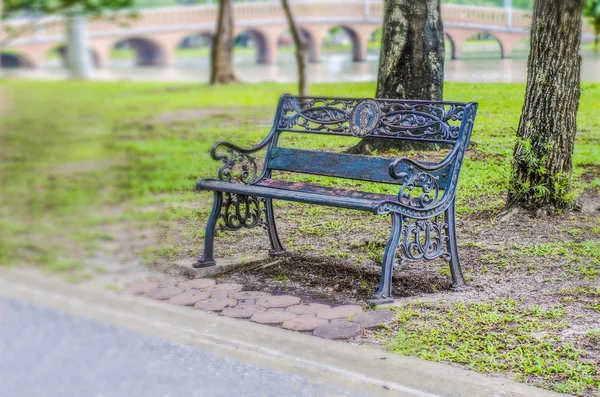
455	267
384	293
276	246
209	237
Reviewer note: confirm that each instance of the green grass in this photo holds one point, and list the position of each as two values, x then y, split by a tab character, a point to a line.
500	336
73	152
69	149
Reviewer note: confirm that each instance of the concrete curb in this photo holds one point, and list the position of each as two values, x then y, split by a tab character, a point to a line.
223	264
363	369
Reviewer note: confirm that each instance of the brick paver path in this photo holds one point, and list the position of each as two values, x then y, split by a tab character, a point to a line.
289	312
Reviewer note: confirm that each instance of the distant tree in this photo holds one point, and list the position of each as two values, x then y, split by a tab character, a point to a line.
79	58
221	69
301	48
541	167
591	9
411	61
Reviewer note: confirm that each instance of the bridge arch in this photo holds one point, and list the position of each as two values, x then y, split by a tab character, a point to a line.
195	40
266	46
358	45
148	52
13	59
376	34
492	36
453	50
193	47
314	53
61	51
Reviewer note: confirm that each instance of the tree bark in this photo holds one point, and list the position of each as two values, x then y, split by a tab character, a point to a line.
541	168
411	63
221	71
301	48
79	57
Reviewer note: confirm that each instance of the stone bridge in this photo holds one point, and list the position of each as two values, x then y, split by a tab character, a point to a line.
158	32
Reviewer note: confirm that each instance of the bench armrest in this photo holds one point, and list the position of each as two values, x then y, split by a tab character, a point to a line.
238	165
425	176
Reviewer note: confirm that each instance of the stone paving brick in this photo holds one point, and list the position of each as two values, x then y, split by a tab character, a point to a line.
246	301
308	308
189	297
303	323
215	304
278	301
170	280
337	330
164	293
139	287
375	318
227	287
242	311
198	283
218	294
340	312
249	295
272	317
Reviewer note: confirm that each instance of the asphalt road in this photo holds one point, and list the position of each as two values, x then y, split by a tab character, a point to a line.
44	352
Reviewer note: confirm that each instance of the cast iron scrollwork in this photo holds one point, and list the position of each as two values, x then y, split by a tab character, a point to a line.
418	120
424	239
238	165
240	211
426	182
373	117
317	114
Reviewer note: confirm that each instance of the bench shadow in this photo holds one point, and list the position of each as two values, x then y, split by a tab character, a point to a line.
335	281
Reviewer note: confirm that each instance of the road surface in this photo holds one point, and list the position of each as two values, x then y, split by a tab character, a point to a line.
47	353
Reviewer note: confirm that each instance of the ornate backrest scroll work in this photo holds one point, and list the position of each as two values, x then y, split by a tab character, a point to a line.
430	121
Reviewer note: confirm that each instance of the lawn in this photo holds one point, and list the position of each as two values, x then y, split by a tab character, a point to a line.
78	157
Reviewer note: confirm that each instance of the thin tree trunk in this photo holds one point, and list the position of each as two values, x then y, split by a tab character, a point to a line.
411	64
541	169
79	58
221	71
301	48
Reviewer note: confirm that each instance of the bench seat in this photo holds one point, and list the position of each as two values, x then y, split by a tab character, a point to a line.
423	210
302	192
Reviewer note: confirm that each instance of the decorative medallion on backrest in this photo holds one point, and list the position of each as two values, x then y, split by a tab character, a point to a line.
364	118
432	121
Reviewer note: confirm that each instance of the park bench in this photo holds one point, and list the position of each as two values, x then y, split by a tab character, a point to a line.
423	211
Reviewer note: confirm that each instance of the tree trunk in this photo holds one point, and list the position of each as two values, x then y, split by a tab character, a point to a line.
221	71
79	57
411	63
301	48
541	168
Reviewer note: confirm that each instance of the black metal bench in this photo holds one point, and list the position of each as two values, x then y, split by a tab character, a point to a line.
423	212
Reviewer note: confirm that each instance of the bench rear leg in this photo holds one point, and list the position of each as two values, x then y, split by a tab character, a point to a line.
276	246
458	280
209	237
384	293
